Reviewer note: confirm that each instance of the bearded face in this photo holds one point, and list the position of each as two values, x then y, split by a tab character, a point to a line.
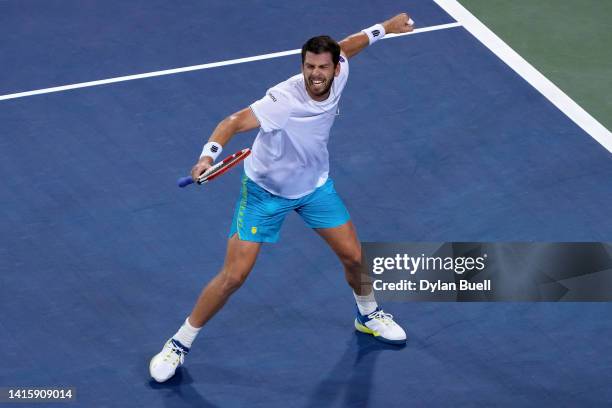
319	72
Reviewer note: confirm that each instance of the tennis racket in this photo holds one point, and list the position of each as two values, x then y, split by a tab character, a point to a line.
216	170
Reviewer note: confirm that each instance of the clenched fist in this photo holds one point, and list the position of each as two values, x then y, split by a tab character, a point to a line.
402	23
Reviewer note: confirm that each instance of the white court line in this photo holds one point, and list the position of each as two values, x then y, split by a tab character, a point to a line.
555	95
193	67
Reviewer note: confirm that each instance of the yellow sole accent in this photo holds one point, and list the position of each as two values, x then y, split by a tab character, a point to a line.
364	329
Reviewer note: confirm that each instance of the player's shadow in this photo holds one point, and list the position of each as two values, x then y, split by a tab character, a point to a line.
350	380
179	392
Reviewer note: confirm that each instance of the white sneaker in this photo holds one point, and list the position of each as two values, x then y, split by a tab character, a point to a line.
380	325
164	364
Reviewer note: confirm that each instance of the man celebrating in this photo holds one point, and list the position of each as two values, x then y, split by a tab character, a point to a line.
288	170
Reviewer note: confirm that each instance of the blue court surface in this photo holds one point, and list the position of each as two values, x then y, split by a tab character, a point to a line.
102	256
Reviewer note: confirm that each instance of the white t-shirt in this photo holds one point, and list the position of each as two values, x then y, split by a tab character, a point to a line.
289	156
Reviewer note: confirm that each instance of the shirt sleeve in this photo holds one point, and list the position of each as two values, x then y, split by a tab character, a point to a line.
340	80
273	110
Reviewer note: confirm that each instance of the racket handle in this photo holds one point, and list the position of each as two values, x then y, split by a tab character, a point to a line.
185	181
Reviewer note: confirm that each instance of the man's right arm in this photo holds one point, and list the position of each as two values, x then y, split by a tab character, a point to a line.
241	121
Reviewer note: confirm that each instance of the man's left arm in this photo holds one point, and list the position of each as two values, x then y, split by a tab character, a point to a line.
353	44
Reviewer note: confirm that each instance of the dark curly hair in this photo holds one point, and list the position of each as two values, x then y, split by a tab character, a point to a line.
320	45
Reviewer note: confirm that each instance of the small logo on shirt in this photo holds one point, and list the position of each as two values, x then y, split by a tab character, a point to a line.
341	59
376	33
272	96
253	230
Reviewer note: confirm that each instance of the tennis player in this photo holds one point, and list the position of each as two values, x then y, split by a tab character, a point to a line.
288	170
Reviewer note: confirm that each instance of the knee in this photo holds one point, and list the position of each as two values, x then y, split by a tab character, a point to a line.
232	280
352	260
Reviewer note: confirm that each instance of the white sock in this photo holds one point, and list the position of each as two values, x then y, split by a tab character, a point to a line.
186	334
366	304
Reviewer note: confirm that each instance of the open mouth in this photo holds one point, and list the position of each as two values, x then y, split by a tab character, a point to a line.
317	82
318	86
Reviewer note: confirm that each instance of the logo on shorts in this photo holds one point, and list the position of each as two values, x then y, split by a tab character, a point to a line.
272	96
253	230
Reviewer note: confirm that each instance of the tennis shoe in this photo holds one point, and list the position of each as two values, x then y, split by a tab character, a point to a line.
164	364
380	325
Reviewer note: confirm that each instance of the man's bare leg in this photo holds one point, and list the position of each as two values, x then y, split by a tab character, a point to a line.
239	261
371	319
344	242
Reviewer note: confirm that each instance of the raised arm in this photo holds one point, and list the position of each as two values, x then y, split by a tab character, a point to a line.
241	121
353	44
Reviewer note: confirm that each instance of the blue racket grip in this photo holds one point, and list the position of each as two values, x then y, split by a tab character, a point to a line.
185	181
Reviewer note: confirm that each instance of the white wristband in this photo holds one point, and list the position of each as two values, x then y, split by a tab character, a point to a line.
375	33
212	149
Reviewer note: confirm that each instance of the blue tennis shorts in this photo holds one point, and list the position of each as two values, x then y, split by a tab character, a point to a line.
259	214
